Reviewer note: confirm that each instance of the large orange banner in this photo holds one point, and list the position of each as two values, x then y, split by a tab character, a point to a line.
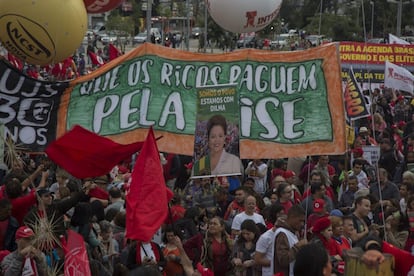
288	103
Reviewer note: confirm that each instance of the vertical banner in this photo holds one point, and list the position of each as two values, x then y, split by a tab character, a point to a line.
217	107
355	105
28	108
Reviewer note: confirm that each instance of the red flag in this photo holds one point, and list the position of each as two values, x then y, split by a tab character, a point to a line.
148	197
95	59
113	52
85	154
76	259
404	261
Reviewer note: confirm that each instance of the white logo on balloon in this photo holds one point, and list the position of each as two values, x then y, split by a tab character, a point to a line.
243	16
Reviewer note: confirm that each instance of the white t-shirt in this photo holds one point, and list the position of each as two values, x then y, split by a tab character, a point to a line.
266	244
239	218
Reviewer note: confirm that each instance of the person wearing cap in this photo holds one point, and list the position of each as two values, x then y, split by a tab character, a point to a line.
55	210
319	211
322	234
279	168
364	138
25	257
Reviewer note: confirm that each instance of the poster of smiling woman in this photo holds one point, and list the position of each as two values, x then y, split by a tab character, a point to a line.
216	143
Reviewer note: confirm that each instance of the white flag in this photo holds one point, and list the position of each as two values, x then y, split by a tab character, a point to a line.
398	77
396	40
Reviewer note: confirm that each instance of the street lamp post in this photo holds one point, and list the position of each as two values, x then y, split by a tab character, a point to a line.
400	3
187	34
320	17
399	15
149	13
372	18
205	27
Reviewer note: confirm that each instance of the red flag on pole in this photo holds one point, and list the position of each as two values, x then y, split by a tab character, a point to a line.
148	197
85	154
76	259
95	59
113	52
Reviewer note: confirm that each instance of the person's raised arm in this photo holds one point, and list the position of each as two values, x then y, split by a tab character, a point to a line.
31	178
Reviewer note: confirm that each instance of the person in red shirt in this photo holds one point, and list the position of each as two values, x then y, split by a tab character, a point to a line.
290	178
14	189
319	211
341	242
322	234
176	211
315	177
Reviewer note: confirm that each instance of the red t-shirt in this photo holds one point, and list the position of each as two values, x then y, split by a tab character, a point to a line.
341	244
22	205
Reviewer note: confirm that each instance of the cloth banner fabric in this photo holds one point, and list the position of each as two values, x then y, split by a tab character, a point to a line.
289	103
113	52
396	40
29	108
148	196
76	258
85	154
368	61
355	104
95	59
398	77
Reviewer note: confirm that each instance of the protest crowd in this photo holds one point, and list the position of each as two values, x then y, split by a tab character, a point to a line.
272	220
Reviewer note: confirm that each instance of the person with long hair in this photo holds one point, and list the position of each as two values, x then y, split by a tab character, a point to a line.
265	244
171	253
213	249
244	248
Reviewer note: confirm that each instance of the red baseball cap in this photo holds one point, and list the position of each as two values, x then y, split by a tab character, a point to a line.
289	174
24	232
318	205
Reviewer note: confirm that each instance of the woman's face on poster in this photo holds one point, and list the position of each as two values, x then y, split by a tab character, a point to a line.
216	139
